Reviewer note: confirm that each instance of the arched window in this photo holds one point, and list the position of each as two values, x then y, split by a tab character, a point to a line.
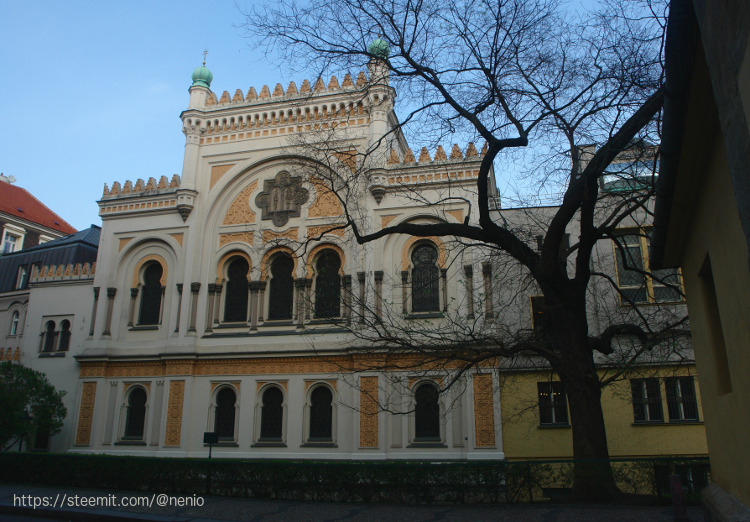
281	289
272	415
14	323
426	413
321	416
328	285
151	295
425	279
64	342
235	304
50	336
136	416
224	414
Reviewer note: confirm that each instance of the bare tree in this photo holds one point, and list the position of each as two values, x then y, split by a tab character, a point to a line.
538	84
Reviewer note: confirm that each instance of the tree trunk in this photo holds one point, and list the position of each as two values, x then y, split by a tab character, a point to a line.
592	475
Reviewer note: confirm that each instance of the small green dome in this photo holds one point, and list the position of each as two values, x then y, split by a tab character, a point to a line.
202	77
379	49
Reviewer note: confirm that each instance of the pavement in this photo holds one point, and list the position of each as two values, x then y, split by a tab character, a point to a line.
24	503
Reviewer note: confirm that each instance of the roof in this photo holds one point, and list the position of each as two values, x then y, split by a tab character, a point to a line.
80	247
19	202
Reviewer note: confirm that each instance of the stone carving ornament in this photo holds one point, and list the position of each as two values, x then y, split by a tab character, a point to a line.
282	198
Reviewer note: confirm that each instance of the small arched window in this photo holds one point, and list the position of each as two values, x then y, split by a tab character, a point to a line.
151	295
328	285
225	413
425	279
272	415
235	304
64	342
14	323
136	415
321	416
426	413
50	336
281	289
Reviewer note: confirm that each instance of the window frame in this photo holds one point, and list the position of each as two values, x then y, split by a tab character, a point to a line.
439	297
426	441
225	291
682	399
15	319
272	298
214	411
317	291
125	415
259	440
308	438
653	408
558	407
141	294
643	235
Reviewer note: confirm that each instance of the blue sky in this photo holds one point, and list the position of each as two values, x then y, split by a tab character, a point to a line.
93	90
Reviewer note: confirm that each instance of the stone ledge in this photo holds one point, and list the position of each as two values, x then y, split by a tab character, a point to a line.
722	506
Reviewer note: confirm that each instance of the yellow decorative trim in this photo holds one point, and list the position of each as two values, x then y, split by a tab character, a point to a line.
233	384
236	237
178	236
327	246
406	262
385	220
326	203
217	171
270	235
368	412
414	380
174	413
310	382
123	241
143	261
271	253
484	412
86	414
226	257
181	367
458	214
239	211
283	384
320	230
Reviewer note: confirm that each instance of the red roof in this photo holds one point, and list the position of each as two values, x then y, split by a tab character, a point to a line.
19	202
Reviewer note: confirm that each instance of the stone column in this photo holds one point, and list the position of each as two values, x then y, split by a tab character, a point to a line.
379	295
299	305
93	311
487	273
179	306
261	299
131	310
210	307
405	291
469	271
347	291
444	280
111	292
194	289
361	278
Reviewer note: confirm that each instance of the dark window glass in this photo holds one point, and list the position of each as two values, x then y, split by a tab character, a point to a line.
426	413
235	306
272	414
539	315
151	295
224	415
321	413
136	416
328	285
425	280
64	343
646	400
41	439
50	337
681	400
630	267
553	406
281	288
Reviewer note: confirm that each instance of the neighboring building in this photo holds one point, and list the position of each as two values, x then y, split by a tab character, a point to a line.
25	220
45	309
703	222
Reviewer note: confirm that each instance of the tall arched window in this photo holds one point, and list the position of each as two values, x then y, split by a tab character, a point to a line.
50	336
281	289
224	414
235	304
321	411
426	413
272	415
135	419
14	323
151	295
64	342
328	285
425	279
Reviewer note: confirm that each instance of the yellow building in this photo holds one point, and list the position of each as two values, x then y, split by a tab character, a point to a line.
703	223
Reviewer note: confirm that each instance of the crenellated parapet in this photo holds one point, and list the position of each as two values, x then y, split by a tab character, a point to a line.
141	196
61	273
456	155
279	112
